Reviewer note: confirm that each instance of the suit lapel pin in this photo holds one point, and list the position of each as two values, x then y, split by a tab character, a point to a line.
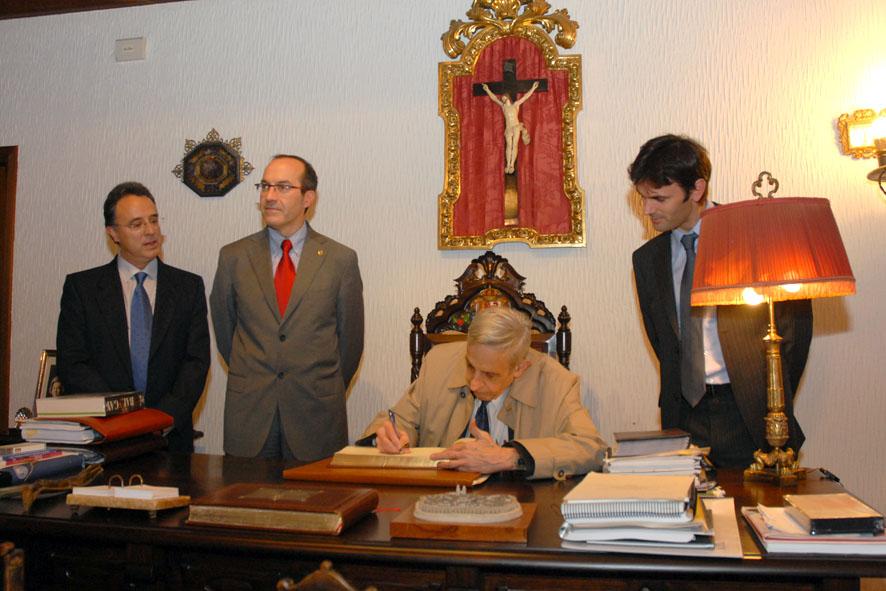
320	252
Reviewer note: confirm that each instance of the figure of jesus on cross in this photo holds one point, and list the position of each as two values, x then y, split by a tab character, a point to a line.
513	128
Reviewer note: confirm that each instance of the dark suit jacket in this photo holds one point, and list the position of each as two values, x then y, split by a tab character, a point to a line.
741	330
302	363
93	343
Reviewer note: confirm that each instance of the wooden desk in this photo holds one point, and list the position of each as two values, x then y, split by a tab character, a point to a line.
102	549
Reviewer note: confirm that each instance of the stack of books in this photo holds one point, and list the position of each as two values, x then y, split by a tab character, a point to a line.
25	462
113	425
834	523
619	510
79	419
655	452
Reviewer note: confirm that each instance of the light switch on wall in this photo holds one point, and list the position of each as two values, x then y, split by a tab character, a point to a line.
127	50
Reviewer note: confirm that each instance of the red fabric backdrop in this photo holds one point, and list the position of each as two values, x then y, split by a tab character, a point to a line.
542	202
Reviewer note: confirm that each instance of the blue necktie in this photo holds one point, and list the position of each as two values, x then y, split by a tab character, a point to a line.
140	320
482	417
691	338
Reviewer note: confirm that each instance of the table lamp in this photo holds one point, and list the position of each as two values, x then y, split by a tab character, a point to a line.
771	250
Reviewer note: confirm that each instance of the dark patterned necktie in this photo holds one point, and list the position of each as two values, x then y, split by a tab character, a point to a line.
140	321
482	417
691	338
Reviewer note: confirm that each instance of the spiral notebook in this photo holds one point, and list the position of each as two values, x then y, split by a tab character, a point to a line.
630	497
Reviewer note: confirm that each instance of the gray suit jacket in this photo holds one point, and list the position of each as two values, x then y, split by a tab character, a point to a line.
741	330
302	363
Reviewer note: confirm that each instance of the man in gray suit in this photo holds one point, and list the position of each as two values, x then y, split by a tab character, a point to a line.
287	308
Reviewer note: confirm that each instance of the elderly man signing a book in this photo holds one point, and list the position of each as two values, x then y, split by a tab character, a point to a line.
495	404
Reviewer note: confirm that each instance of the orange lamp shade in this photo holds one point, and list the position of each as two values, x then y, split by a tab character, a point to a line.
785	249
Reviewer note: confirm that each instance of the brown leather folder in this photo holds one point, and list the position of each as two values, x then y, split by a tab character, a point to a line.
321	471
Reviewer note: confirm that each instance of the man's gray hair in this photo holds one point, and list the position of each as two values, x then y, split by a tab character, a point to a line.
504	329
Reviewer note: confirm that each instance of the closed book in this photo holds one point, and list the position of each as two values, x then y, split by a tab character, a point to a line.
640	443
295	508
55	467
90	405
834	513
630	497
33	456
130	424
355	456
57	432
13	449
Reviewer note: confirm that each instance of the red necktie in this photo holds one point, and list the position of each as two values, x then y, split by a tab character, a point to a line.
284	277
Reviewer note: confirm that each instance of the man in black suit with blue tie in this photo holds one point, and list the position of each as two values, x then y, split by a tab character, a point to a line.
712	359
136	323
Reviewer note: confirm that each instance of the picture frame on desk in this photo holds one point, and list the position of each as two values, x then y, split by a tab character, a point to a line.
48	383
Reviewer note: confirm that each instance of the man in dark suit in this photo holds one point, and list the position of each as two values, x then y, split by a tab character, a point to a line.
136	323
717	391
287	307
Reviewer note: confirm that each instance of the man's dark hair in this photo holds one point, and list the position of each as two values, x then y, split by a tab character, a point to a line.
309	179
118	193
671	159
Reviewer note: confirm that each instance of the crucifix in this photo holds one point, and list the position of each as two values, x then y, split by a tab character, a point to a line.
508	88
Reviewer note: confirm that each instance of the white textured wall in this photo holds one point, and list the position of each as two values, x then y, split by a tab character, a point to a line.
352	85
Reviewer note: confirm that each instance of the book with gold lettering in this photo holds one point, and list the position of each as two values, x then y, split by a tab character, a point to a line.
297	508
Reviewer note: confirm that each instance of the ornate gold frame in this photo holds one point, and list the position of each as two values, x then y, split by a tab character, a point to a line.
859	117
490	21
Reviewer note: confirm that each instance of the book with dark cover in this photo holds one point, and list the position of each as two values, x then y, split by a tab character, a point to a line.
288	507
54	467
834	513
641	443
105	404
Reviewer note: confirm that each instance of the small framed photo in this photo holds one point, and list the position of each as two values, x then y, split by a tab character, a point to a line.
48	383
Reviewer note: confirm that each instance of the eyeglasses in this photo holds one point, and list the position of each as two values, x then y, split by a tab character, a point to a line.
141	224
281	188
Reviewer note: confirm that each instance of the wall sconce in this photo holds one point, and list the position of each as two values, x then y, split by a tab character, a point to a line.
863	135
879	173
859	131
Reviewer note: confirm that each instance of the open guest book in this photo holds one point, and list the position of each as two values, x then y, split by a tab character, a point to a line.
355	456
630	497
368	465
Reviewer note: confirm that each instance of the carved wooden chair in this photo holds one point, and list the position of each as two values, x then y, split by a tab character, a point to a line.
488	281
322	579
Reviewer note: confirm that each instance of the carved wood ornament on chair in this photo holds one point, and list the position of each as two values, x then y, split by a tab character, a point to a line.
488	281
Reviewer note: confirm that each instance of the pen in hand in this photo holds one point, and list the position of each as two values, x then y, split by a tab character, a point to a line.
393	420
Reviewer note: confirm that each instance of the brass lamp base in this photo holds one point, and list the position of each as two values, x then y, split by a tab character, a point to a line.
778	466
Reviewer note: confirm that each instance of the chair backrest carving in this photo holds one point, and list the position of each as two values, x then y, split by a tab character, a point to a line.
488	281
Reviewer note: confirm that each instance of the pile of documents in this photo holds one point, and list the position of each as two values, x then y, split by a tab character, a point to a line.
834	523
623	510
686	461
